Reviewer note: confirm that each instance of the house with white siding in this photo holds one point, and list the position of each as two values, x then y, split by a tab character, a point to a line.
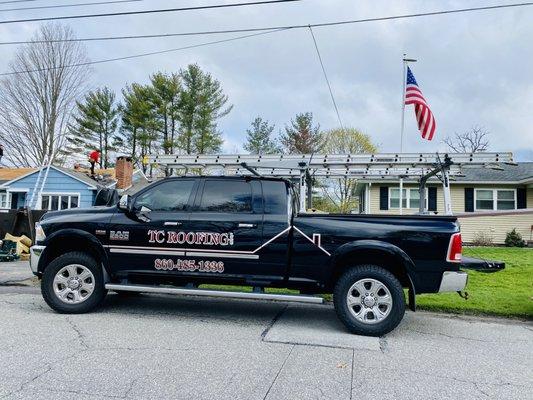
491	201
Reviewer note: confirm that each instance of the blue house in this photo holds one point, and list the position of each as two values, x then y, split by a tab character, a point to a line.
63	189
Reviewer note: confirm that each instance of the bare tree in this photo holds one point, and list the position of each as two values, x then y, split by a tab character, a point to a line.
37	99
473	141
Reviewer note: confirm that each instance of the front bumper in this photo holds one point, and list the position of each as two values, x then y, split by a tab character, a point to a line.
453	281
35	255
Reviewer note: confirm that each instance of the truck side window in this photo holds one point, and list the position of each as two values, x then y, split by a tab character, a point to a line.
227	196
167	196
275	197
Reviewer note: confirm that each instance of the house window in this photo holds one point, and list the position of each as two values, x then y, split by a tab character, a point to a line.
3	200
54	202
495	199
411	198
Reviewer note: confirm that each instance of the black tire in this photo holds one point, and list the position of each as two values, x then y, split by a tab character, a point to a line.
370	327
91	302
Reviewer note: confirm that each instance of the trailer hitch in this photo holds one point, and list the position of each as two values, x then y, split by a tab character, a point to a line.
463	296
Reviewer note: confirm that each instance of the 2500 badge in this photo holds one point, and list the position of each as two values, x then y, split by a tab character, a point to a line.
168	264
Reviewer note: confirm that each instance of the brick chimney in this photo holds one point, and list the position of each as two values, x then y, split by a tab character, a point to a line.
124	172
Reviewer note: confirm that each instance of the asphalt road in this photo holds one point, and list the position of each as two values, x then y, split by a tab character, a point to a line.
162	347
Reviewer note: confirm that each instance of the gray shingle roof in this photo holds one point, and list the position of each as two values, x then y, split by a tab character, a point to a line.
510	173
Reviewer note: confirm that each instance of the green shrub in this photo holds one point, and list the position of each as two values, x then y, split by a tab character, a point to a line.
514	239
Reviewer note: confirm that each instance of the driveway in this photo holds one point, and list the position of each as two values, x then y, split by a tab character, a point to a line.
162	347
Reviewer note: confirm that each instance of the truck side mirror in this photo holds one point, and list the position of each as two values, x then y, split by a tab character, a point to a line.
124	203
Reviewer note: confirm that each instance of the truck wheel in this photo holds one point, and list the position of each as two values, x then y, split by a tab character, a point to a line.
369	300
73	284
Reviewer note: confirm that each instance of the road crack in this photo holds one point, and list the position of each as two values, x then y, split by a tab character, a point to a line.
351	378
279	372
273	321
383	344
79	333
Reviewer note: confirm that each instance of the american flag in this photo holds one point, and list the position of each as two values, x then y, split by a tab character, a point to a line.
424	116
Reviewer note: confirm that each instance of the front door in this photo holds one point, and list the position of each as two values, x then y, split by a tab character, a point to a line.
228	219
144	240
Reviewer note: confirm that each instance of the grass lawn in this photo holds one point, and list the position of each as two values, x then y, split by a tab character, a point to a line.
507	293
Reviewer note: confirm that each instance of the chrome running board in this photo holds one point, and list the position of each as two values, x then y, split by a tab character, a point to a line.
297	298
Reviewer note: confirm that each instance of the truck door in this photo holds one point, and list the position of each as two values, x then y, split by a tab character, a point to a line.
274	251
138	239
228	220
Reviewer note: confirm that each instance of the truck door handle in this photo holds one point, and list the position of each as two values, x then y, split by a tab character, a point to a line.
172	223
243	225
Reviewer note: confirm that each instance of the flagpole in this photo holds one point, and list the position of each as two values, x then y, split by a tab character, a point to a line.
406	61
404	83
404	78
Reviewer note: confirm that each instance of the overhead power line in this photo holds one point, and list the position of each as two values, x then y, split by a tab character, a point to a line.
327	80
285	27
107	60
140	12
263	31
16	1
69	5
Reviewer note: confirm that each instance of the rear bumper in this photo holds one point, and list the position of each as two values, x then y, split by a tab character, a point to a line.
453	281
35	255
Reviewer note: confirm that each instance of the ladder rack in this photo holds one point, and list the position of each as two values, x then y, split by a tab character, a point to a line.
328	165
420	166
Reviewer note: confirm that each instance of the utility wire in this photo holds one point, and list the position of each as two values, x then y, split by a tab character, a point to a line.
107	60
264	31
157	11
68	5
327	80
16	1
318	25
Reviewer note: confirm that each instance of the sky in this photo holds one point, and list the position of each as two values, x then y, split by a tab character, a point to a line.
475	69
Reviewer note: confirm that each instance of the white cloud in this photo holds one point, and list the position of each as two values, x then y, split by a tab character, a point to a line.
474	69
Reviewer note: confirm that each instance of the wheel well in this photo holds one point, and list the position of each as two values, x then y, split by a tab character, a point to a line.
62	246
384	259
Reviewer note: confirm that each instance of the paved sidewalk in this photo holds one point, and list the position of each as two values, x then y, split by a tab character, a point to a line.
162	347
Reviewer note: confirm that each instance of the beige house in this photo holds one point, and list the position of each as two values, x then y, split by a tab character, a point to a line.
487	201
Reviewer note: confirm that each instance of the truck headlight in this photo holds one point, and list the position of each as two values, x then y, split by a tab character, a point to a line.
39	233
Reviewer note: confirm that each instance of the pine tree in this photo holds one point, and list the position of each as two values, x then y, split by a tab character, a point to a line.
95	125
301	137
258	138
202	104
164	94
139	123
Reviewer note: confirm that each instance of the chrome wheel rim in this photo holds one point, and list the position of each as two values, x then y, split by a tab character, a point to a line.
369	301
73	284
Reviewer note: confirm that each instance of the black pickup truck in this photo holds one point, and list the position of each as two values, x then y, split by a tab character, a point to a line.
182	232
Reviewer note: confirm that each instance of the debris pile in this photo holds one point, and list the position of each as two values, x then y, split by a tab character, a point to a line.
15	247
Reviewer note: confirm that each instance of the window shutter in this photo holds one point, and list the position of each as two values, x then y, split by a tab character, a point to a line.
521	198
469	199
432	199
383	197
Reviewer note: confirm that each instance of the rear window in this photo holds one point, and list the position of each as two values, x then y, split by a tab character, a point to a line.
275	197
227	196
